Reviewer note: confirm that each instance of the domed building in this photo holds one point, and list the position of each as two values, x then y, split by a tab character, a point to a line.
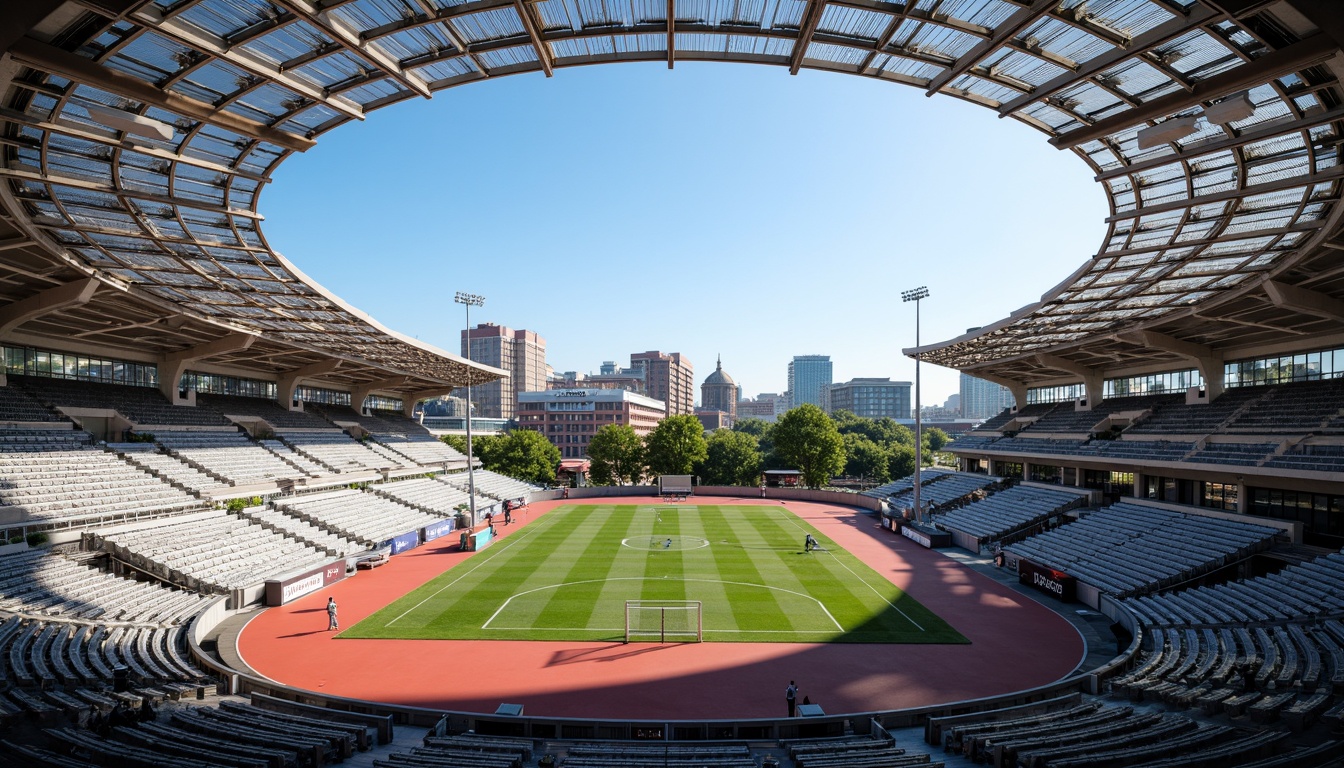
719	392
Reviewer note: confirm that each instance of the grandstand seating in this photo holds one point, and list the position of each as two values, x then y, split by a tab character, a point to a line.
427	494
1096	736
1244	454
170	468
301	530
1033	411
269	411
143	406
18	407
228	455
1007	511
1065	419
338	451
39	583
904	484
1145	547
419	448
59	477
1317	457
491	484
213	551
944	489
367	518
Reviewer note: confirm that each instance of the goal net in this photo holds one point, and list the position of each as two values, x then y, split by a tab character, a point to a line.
663	621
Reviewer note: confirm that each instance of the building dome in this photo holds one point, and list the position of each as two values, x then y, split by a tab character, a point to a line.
719	377
719	392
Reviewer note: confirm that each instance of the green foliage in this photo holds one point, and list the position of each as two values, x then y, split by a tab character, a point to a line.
732	458
483	449
522	454
456	442
675	446
884	431
37	539
757	428
807	439
617	456
235	505
901	461
15	539
865	458
140	437
935	438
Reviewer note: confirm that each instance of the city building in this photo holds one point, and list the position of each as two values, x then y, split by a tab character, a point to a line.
611	376
869	398
570	417
982	399
808	375
719	393
767	407
712	420
669	377
521	353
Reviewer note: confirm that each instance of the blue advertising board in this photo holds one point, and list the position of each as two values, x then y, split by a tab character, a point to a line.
435	530
408	540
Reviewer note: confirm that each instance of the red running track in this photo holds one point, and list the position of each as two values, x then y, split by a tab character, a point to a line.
1016	643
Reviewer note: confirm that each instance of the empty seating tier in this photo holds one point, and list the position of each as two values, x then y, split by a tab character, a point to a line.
944	489
1007	511
39	583
367	518
18	407
492	484
1128	549
213	550
338	451
228	455
142	405
51	485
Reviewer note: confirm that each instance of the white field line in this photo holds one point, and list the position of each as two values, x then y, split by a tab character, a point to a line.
794	521
465	574
820	604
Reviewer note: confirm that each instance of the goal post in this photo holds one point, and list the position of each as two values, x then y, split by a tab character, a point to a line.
663	621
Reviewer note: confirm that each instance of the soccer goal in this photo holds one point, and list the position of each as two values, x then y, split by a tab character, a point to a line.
663	621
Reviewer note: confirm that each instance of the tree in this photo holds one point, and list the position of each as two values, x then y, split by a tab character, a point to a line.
456	442
675	446
733	458
752	426
865	458
617	456
522	453
806	438
902	461
935	438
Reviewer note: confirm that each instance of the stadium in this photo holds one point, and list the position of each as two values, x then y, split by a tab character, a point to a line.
1137	564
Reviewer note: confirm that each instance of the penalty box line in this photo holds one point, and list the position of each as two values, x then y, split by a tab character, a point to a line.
468	572
794	521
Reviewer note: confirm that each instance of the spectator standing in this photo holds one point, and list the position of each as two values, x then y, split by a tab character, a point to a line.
332	624
791	697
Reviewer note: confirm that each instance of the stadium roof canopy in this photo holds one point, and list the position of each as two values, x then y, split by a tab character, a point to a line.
137	135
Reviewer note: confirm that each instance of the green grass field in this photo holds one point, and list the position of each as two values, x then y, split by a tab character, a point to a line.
567	575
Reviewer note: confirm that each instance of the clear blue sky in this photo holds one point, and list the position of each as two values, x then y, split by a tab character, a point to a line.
714	209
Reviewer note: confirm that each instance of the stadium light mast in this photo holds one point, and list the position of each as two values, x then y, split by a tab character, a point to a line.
915	294
469	300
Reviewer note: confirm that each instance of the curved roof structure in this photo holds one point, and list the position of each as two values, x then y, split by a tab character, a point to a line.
137	135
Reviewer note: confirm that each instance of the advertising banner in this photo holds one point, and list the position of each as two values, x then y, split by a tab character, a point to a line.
435	530
287	588
1054	583
408	540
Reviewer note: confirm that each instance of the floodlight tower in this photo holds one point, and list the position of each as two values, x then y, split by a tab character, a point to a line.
915	294
469	300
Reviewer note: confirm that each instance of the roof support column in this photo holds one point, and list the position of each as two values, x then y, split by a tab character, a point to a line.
289	382
1092	378
361	393
1017	388
408	401
171	367
1209	361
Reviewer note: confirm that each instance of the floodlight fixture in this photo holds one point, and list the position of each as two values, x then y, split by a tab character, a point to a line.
469	300
915	294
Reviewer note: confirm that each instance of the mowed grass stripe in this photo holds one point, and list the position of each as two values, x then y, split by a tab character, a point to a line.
755	604
756	546
890	610
573	604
